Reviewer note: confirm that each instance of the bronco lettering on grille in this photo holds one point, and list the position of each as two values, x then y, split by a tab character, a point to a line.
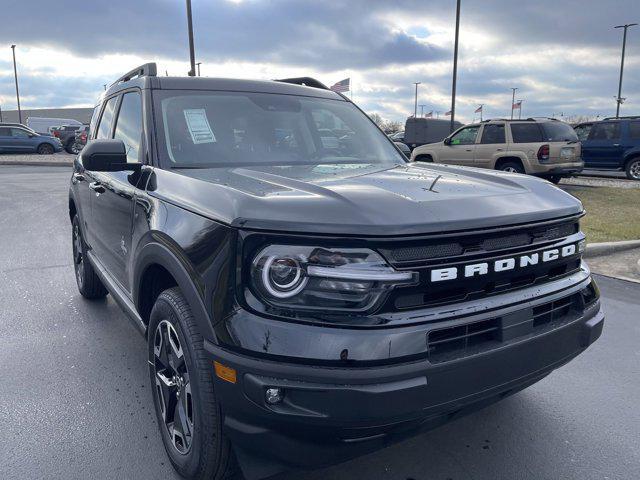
503	264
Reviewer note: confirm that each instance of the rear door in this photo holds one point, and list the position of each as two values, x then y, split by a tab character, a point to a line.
603	147
6	140
462	147
492	140
112	208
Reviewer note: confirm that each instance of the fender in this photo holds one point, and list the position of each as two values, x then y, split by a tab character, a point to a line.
632	152
155	252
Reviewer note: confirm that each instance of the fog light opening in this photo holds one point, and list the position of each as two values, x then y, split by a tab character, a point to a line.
274	395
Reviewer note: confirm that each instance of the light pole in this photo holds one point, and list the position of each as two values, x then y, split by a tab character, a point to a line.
15	74
455	68
198	64
513	99
192	54
415	105
619	98
422	110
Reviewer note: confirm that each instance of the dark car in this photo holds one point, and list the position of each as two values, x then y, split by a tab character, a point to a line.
80	139
308	300
16	138
67	136
612	144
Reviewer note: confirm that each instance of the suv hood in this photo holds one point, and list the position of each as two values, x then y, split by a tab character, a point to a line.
363	199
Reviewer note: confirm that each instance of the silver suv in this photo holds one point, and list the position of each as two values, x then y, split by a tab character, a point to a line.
544	147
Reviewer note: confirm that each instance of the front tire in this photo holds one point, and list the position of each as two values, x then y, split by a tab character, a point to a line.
554	179
89	284
633	169
45	149
187	410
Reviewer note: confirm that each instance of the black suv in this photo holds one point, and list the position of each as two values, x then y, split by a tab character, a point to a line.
307	294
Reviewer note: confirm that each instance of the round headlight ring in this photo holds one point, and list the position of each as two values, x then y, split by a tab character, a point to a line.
288	289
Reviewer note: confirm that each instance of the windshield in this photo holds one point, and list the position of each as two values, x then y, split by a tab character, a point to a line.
558	132
229	129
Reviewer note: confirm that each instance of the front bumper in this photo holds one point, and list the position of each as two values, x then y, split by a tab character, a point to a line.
332	413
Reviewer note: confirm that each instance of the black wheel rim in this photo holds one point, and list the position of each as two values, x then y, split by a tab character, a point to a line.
173	388
78	258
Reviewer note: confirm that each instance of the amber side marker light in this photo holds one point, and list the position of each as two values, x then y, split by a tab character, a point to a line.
227	374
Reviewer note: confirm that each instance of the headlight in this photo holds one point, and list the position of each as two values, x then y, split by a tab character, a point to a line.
318	278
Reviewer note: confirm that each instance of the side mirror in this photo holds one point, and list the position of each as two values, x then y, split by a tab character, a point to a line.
106	155
31	135
447	141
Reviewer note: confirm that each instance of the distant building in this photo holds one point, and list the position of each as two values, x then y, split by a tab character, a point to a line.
81	114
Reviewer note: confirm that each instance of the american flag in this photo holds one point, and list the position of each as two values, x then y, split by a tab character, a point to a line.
448	114
517	105
429	115
342	85
479	109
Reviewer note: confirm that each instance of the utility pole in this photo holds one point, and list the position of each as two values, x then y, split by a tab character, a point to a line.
415	104
15	74
198	64
455	68
192	54
619	98
513	99
422	110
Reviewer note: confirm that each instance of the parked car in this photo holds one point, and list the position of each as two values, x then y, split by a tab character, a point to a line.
308	303
421	131
404	148
81	136
397	136
546	148
17	138
612	144
43	124
67	136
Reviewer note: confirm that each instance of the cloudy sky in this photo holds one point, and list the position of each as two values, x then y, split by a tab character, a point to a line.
563	55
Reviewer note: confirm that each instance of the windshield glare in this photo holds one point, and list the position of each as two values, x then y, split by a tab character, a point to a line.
559	132
227	129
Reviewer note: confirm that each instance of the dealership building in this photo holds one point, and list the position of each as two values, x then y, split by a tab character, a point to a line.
82	115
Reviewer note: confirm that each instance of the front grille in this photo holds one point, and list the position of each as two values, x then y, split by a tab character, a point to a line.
461	341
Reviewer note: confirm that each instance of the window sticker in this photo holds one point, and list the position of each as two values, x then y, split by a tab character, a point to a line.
198	126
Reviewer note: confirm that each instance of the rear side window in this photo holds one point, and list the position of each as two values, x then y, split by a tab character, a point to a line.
634	130
104	130
129	124
605	131
5	132
526	133
558	132
493	133
583	131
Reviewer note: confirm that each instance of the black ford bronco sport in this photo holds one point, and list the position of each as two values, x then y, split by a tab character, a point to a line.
306	293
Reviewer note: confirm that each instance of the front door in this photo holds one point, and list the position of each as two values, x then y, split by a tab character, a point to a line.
603	147
460	150
113	202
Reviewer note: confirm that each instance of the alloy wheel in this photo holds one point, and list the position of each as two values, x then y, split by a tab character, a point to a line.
78	258
510	170
173	388
634	169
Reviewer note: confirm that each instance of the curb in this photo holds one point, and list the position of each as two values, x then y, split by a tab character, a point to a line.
45	163
606	248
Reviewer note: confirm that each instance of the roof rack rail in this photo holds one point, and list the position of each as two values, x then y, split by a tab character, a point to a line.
306	81
146	70
627	117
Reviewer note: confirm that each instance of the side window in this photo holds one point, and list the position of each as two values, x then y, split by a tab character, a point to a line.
466	136
525	133
493	133
605	131
94	121
5	132
129	125
19	133
583	131
104	129
634	130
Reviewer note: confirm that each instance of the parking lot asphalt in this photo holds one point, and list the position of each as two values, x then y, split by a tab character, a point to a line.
75	400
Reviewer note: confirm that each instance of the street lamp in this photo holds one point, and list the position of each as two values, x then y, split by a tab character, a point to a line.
415	105
619	98
192	54
513	99
455	68
15	74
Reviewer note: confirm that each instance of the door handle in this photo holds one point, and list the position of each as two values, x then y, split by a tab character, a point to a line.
616	144
469	149
78	177
498	150
96	187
